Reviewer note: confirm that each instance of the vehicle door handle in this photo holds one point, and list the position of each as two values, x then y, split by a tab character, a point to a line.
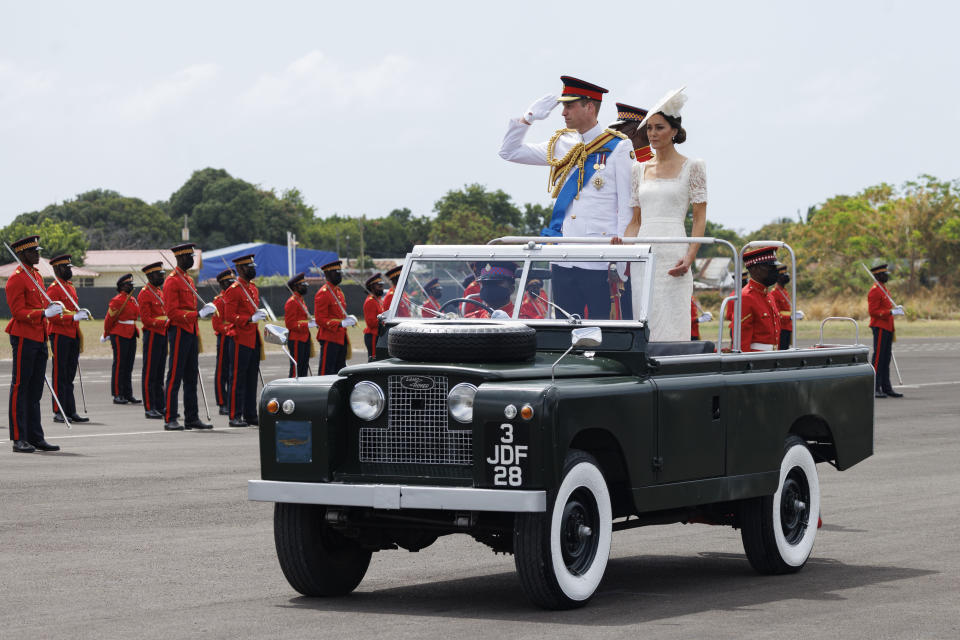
716	407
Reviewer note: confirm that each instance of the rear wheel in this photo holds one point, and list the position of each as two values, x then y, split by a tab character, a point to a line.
316	559
778	530
561	554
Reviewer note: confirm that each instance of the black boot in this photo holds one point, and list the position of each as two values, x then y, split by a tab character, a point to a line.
22	446
43	445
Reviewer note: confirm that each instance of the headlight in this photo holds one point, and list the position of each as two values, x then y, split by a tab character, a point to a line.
366	400
460	401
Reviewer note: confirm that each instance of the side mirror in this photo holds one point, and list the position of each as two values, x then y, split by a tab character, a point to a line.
586	337
275	335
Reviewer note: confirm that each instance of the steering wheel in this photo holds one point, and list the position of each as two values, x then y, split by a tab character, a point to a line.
480	304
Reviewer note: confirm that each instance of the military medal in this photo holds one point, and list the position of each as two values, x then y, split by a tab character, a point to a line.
598	182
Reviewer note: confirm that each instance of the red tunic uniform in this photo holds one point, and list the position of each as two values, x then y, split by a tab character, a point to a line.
64	324
295	318
694	325
328	314
26	305
220	326
532	308
879	306
122	314
781	300
759	324
483	313
152	315
431	305
372	308
403	310
179	302
238	311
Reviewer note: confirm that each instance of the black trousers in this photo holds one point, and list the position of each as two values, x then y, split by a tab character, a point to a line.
121	374
151	375
333	357
243	382
785	335
26	388
300	350
581	291
66	357
368	343
224	368
882	348
181	368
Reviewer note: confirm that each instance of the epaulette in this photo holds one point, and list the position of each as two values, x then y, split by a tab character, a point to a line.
617	133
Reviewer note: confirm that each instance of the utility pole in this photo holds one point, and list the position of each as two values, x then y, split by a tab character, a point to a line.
185	232
362	218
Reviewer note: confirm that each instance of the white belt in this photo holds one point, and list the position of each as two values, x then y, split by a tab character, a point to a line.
126	321
760	346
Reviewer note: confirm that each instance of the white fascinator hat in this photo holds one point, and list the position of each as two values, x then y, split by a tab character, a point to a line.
670	104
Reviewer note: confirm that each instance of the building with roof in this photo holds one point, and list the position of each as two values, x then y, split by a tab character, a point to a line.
82	276
110	264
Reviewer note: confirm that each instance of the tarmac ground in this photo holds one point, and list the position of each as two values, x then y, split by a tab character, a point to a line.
134	532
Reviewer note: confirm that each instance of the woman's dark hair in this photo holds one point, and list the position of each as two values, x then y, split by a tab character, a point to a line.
674	123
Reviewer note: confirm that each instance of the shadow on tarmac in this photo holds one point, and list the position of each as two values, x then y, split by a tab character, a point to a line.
635	590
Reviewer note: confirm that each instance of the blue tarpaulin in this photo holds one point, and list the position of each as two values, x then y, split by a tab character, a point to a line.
271	259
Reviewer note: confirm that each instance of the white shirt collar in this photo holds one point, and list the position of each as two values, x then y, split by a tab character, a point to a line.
591	135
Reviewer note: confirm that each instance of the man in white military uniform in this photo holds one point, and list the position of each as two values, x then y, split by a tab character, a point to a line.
590	181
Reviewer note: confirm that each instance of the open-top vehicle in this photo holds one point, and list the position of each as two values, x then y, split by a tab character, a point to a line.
539	432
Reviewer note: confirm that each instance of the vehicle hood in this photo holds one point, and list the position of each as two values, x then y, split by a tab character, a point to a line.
571	366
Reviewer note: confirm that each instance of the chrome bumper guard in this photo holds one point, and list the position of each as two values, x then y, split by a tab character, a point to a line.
392	496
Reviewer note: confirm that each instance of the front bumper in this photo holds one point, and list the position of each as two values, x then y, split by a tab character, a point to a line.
392	496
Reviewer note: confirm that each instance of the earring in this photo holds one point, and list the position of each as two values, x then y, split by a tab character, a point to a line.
673	139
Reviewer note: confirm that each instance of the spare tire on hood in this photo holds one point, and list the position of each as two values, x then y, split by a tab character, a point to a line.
478	341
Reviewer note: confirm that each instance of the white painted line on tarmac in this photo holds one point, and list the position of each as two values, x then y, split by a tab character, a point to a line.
925	384
127	433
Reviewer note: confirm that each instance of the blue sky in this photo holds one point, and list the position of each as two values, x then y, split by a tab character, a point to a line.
366	107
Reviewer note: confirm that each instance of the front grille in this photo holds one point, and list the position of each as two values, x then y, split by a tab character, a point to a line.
417	428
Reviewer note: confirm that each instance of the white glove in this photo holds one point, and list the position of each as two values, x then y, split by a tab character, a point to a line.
349	321
258	315
55	309
499	314
82	314
540	109
312	324
897	310
800	315
207	310
104	338
706	317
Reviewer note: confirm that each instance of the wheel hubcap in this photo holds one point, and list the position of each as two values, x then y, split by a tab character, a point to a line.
794	506
578	541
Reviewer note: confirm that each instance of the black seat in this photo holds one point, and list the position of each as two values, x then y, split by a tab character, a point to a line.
688	348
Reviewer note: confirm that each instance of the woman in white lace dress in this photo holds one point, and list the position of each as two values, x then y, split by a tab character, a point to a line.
663	189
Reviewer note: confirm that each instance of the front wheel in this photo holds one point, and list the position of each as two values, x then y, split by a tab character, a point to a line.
316	559
561	554
778	531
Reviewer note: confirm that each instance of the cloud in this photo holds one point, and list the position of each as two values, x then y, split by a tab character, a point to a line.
18	87
317	82
166	94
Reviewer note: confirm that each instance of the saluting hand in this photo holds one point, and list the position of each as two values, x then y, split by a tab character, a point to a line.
540	109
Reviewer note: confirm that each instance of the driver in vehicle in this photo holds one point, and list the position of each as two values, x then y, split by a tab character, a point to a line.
496	288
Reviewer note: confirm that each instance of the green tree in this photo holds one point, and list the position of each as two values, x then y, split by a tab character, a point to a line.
56	237
495	206
109	220
466	226
535	218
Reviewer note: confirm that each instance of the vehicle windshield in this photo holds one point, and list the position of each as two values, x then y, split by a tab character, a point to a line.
502	286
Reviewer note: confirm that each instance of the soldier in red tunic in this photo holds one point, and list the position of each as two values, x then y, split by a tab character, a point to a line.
330	312
781	300
222	329
66	339
28	334
298	322
372	308
431	308
242	310
155	323
882	312
403	309
120	327
180	305
759	320
534	307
